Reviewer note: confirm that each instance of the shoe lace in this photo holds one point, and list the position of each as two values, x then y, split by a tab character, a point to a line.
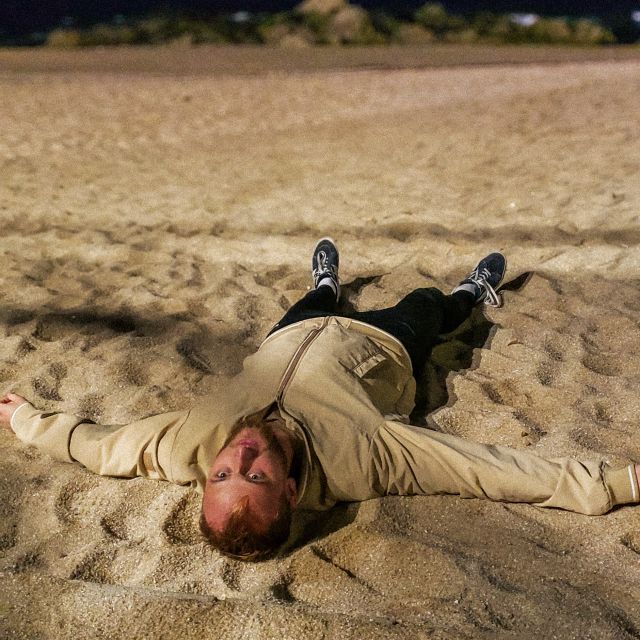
492	297
324	267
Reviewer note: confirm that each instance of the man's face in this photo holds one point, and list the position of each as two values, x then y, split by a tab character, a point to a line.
254	465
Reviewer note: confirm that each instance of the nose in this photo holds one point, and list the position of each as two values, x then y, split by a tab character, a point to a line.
244	457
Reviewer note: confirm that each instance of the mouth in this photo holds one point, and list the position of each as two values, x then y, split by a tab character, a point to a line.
249	443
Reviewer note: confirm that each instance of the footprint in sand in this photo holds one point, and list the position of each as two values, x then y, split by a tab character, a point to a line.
47	385
96	567
594	358
272	277
24	348
91	407
68	501
194	350
51	328
25	562
230	575
532	430
601	364
553	350
180	525
631	540
546	374
132	372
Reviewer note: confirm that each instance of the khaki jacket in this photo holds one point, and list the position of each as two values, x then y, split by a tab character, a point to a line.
345	389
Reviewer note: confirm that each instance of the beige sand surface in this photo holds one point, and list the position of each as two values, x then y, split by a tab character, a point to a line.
155	226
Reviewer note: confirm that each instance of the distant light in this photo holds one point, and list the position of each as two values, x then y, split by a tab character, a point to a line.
240	16
524	19
635	16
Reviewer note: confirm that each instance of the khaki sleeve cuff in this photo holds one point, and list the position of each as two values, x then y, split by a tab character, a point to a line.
50	432
24	405
622	485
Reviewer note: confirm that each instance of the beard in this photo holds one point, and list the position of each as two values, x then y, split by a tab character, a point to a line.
266	430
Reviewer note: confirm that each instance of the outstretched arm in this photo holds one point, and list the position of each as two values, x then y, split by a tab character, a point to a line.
142	448
412	461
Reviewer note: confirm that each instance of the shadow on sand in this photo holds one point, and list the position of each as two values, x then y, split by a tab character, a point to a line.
455	352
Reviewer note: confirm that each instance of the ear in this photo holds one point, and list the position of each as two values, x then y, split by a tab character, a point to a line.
291	491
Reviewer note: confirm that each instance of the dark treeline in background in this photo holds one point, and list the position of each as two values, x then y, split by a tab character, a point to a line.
68	23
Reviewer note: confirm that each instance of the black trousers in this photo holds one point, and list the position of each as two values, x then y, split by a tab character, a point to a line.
416	321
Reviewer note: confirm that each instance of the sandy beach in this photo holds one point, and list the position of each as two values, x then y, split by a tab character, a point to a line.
155	225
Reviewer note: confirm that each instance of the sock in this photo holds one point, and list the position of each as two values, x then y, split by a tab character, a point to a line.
471	288
328	282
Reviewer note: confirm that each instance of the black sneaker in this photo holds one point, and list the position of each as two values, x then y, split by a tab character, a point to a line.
324	265
484	279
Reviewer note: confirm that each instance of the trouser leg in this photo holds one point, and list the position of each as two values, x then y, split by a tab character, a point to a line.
317	303
419	318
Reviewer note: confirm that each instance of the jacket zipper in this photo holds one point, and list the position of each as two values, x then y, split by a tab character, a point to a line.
293	363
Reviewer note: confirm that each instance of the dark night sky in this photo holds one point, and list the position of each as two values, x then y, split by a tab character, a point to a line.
22	16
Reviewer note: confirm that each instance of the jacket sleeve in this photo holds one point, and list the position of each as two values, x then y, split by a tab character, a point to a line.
142	448
414	461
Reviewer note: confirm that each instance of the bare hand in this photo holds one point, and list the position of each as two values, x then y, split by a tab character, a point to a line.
8	406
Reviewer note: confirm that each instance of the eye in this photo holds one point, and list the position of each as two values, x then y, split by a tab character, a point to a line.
255	477
221	475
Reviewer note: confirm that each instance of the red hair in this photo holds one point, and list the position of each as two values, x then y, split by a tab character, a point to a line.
239	539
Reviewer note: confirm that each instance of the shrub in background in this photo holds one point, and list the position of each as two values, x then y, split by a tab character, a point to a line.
352	25
550	31
63	38
433	16
588	32
333	22
385	25
107	34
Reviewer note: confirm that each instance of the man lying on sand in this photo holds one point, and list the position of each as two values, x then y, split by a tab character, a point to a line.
319	415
